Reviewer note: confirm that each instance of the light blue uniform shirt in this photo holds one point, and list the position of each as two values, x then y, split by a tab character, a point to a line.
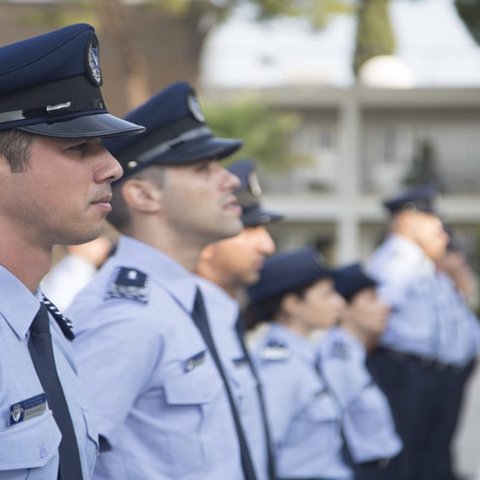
407	283
304	417
159	400
460	331
368	424
29	448
223	313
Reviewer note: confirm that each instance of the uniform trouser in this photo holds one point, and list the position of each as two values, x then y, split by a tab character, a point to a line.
449	406
413	389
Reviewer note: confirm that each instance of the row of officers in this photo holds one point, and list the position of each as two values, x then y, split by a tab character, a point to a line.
154	380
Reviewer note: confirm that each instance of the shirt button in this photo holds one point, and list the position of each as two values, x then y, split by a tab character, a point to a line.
42	452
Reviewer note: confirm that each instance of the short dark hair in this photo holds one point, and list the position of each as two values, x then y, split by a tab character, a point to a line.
15	147
267	310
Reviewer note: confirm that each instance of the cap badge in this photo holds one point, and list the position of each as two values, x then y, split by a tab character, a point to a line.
93	62
194	108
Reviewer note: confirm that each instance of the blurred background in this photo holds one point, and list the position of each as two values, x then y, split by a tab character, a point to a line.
340	102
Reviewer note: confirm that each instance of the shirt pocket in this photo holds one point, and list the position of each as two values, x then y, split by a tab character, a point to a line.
30	449
369	427
319	421
198	420
370	413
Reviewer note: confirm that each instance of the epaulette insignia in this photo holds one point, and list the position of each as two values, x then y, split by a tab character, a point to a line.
62	321
239	362
339	350
129	283
274	351
193	362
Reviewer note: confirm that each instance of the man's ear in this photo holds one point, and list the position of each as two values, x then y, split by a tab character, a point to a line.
142	195
290	303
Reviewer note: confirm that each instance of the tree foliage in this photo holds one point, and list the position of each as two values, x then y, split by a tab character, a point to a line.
374	32
424	168
265	131
317	12
469	12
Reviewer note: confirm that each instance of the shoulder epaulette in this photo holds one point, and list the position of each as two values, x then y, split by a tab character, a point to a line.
63	322
274	351
340	350
129	283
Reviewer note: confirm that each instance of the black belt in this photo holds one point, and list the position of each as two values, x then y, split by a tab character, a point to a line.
304	478
380	463
426	362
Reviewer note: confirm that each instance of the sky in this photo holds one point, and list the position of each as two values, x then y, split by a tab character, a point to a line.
432	44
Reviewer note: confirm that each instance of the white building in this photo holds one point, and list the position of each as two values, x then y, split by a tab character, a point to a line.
362	139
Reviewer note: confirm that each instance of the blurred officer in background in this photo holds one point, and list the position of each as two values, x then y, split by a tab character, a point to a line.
407	365
368	426
55	182
296	294
457	353
163	401
228	266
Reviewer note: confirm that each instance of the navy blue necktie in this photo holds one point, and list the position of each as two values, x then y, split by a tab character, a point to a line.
41	352
240	329
199	316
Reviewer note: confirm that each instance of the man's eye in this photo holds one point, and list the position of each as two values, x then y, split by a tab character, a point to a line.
81	147
204	166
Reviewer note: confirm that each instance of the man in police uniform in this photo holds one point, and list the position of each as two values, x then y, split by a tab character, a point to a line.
55	178
164	405
407	364
457	353
228	266
367	423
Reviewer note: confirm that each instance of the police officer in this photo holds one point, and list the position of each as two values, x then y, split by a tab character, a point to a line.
235	262
163	401
368	426
457	352
228	266
55	178
406	366
296	294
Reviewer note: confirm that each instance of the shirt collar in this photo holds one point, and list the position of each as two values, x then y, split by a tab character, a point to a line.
173	277
17	304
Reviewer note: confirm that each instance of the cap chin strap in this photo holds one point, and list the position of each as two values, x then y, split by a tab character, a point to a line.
42	114
163	147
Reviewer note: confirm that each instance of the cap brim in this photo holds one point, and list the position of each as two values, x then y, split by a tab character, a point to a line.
259	216
88	126
198	150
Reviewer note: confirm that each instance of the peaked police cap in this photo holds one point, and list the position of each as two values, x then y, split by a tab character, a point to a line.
50	85
249	193
177	133
351	279
287	272
420	198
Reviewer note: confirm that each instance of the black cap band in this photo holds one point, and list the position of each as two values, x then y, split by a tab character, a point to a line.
46	102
